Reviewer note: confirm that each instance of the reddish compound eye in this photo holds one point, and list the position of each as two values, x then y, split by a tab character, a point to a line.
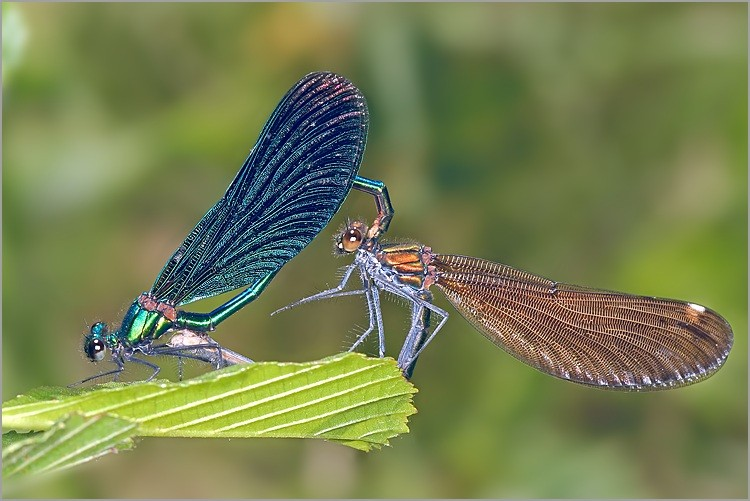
351	240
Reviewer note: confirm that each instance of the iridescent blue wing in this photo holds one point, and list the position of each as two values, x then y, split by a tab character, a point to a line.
288	189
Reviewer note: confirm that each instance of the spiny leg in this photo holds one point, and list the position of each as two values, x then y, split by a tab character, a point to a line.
372	298
194	352
418	333
116	372
200	347
379	321
333	292
415	343
374	313
148	364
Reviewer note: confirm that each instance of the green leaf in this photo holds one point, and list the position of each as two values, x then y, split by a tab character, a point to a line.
71	441
357	401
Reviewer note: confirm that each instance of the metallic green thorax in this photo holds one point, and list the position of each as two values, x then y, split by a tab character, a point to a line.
148	319
141	325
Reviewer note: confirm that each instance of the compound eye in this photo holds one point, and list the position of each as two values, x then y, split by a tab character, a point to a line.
99	329
95	349
351	240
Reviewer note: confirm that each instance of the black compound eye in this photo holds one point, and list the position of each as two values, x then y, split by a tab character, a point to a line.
95	350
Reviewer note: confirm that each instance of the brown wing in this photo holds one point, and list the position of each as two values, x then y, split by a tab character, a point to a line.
589	336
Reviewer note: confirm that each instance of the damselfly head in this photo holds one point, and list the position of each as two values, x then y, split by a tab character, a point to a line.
351	238
95	343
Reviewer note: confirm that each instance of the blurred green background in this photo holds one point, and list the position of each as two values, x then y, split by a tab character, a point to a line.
604	145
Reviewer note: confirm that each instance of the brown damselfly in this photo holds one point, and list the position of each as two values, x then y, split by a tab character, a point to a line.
594	337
